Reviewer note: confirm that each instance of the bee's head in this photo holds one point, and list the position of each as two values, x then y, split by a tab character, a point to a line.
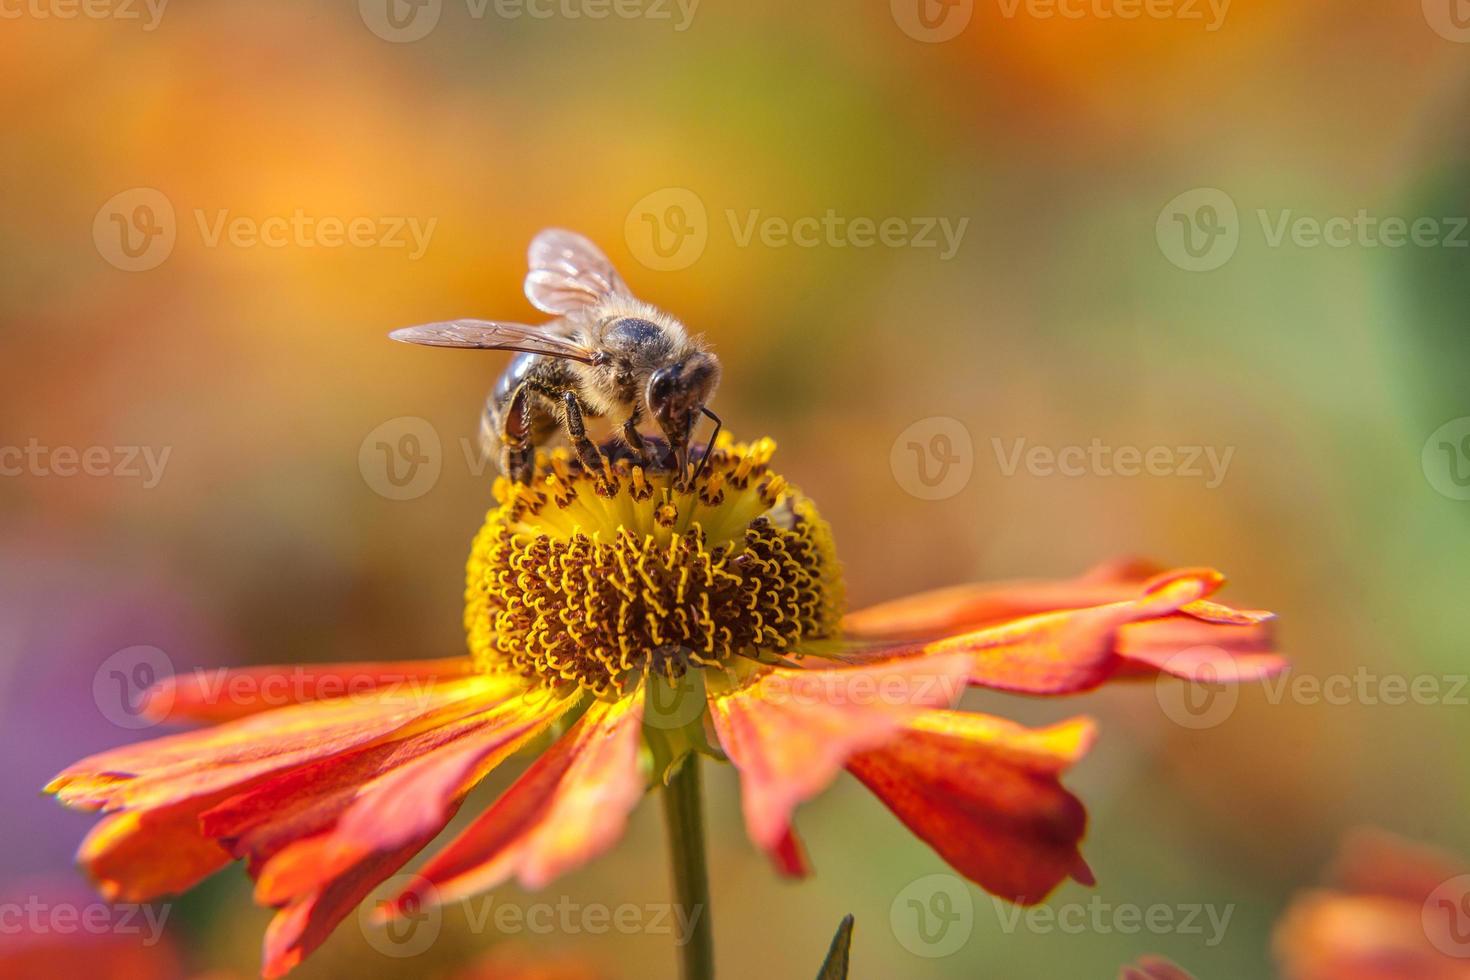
676	394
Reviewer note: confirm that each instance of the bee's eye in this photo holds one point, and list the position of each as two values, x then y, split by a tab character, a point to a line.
661	384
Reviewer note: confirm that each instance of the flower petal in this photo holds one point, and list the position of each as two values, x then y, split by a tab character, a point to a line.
790	858
961	608
1073	650
1152	968
195	764
307	920
137	857
217	695
1197	650
983	792
415	795
790	731
569	806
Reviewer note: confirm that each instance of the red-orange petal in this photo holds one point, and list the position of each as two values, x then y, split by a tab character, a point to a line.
204	762
415	794
308	919
137	857
224	694
790	731
1152	968
569	806
1375	862
961	608
984	793
1072	650
790	858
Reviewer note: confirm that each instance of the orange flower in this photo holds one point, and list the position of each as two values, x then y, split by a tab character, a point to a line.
646	625
1392	910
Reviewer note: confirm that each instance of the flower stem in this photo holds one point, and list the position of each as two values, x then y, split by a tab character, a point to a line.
684	817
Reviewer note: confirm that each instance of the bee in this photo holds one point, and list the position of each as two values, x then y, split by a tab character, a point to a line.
607	354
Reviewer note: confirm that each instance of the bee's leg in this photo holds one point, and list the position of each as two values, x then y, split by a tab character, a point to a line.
589	454
512	426
518	463
634	438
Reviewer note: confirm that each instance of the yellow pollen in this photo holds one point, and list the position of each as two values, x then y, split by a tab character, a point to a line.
597	578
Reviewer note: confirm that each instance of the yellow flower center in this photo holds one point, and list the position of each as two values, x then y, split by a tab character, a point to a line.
597	578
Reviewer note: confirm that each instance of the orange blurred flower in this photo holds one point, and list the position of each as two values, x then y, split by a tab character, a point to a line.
1152	968
1392	910
646	624
48	929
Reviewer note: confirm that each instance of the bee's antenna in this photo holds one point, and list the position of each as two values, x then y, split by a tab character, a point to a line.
709	447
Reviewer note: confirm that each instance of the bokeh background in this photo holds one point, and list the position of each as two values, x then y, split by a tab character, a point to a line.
1070	154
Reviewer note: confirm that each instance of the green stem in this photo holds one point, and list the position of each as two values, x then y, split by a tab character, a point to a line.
684	816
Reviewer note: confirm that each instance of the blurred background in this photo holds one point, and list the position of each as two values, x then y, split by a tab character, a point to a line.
926	238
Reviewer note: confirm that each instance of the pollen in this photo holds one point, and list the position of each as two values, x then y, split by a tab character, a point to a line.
598	578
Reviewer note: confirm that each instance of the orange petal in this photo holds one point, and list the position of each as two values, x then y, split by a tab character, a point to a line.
789	732
306	922
137	857
217	695
1077	649
983	792
1375	862
1334	936
1152	968
195	764
962	608
415	795
789	856
568	807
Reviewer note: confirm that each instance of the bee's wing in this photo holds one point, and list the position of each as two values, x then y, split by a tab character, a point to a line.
568	273
495	335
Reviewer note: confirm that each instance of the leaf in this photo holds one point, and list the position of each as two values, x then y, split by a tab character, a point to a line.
834	967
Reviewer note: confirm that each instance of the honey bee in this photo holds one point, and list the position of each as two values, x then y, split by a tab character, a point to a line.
606	354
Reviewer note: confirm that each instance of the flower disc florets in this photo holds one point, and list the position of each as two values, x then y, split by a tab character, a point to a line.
594	578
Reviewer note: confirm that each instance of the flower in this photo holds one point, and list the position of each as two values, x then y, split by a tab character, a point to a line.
642	618
1393	909
54	928
1152	968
